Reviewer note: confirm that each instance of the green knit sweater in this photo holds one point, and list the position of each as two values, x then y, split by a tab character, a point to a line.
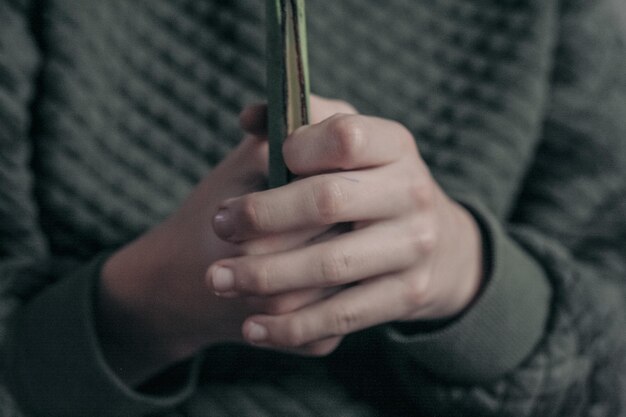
111	111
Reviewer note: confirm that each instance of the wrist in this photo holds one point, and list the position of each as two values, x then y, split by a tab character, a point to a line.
462	264
131	321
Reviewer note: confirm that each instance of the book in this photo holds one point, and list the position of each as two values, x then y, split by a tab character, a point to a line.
287	80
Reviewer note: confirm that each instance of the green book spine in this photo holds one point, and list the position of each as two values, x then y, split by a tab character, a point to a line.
287	80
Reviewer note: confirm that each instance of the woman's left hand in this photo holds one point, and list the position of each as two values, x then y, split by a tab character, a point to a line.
412	253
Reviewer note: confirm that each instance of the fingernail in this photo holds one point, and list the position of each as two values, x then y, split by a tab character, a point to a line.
223	280
222	223
256	333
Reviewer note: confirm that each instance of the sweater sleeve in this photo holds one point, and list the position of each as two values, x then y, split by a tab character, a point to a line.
546	335
52	364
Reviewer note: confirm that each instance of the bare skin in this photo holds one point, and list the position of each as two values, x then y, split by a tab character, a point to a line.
279	268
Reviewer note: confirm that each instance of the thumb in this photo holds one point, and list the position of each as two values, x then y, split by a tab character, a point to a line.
253	118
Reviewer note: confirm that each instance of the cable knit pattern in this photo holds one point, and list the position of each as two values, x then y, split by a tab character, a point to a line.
111	111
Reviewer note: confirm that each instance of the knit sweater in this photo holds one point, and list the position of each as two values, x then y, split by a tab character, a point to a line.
111	111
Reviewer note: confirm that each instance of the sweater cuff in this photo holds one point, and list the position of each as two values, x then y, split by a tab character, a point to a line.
57	366
500	329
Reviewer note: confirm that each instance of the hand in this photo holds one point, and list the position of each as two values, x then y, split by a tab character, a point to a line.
413	253
153	306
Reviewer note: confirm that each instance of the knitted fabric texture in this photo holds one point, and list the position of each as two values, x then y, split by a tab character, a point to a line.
111	111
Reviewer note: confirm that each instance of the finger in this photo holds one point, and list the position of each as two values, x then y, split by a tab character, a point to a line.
289	302
323	108
292	240
320	348
253	118
371	303
248	159
346	142
376	250
284	241
324	199
316	349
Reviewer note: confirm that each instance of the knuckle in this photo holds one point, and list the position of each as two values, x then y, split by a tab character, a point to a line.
294	335
348	134
260	279
423	241
253	214
421	193
344	321
329	198
334	266
418	291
